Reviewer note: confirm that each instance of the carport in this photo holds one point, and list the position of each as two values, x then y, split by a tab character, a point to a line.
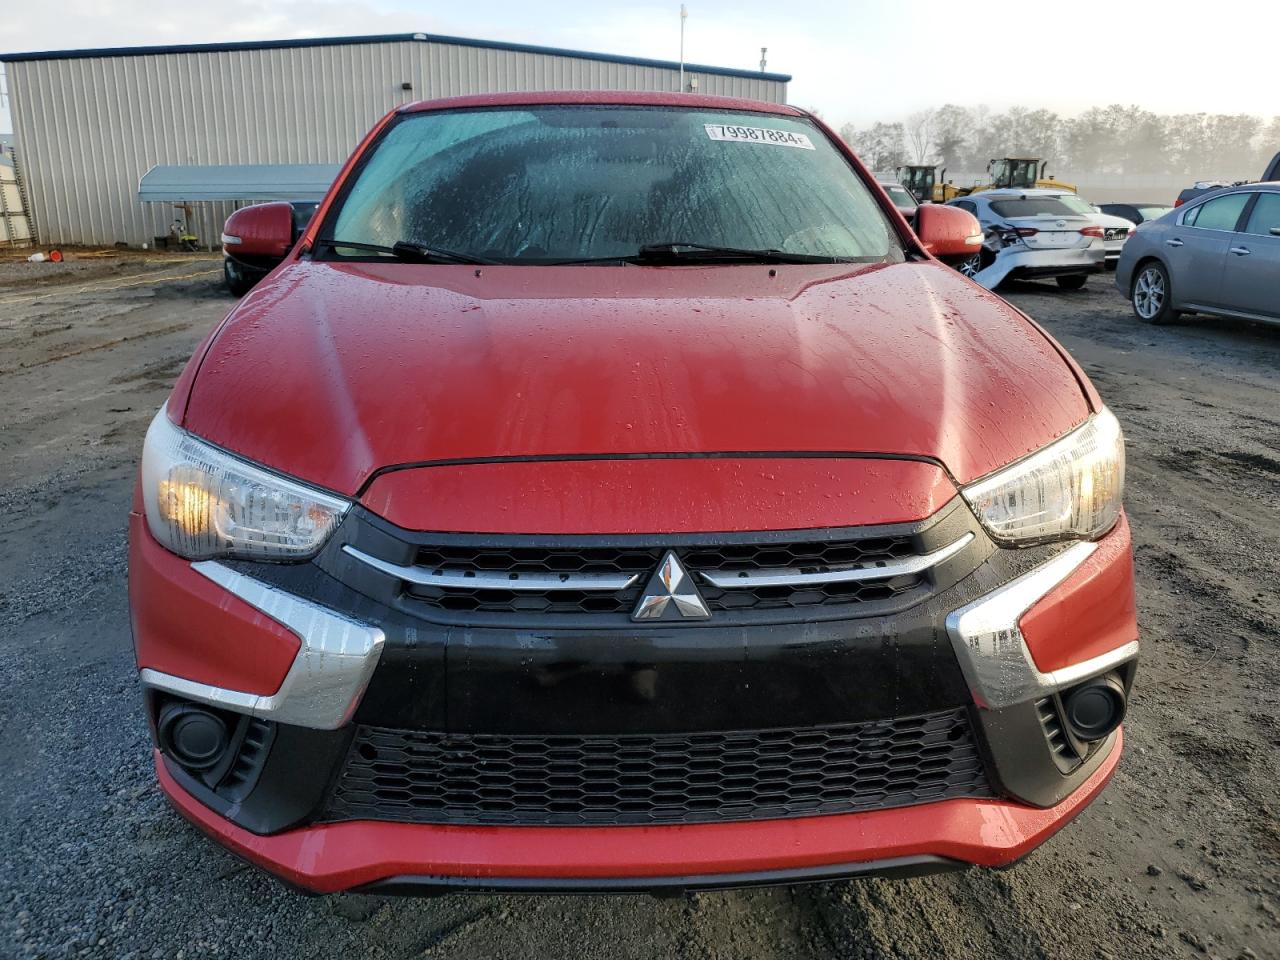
228	186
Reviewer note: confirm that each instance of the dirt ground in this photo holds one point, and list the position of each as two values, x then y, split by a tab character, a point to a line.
1179	858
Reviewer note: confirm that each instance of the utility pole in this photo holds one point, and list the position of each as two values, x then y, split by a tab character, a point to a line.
764	58
684	15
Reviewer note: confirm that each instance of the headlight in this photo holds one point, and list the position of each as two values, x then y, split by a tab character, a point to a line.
1069	490
202	502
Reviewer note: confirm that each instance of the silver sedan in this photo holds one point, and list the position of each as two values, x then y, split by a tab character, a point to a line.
1218	255
1032	234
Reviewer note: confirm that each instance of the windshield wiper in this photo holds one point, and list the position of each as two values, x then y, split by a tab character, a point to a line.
411	252
699	252
667	253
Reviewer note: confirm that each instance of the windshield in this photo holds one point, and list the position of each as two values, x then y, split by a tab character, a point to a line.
1076	204
1153	213
900	195
550	183
1032	207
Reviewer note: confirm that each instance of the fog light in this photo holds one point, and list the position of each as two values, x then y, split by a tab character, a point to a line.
193	736
1095	708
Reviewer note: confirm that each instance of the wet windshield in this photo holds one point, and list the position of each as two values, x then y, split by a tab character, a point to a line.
549	183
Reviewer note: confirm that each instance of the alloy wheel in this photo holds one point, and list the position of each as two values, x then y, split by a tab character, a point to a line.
1149	293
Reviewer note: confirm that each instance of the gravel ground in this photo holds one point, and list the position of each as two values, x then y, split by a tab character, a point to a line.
1179	858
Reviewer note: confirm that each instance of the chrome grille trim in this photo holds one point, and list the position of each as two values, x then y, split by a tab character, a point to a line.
880	570
486	580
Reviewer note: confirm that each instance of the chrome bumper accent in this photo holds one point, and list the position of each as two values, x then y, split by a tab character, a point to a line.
472	580
328	675
884	570
992	652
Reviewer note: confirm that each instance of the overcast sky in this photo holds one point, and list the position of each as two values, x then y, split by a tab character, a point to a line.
857	60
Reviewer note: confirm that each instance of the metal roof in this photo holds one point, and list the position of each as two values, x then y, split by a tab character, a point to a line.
381	38
298	181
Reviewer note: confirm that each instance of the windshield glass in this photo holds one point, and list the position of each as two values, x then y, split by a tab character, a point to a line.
1152	213
1032	207
1076	204
900	195
548	183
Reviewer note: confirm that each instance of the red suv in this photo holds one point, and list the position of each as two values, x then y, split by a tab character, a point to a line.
611	491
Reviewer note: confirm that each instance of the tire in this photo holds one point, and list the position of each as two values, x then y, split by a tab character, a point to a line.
1151	294
976	263
1072	283
236	277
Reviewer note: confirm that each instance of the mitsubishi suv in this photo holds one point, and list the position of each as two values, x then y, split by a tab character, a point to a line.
611	491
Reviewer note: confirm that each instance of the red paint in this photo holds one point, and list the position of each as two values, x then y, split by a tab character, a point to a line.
948	231
264	230
1091	612
333	857
659	496
330	371
186	625
176	405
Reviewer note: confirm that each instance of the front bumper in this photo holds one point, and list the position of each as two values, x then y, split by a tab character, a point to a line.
1114	248
998	643
397	857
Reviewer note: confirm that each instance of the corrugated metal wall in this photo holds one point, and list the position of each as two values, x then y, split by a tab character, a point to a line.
91	127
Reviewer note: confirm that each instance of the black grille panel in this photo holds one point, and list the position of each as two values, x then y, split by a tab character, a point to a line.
641	561
638	779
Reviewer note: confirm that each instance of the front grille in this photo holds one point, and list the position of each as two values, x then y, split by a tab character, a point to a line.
645	779
639	562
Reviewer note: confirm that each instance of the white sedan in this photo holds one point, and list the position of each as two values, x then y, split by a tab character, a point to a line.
1033	234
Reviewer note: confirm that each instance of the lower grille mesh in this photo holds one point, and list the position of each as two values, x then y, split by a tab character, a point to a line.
637	779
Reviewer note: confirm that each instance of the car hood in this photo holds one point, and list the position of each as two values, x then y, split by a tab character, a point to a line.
331	371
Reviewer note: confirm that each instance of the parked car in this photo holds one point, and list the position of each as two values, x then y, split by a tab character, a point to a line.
902	198
1203	187
246	260
1032	234
1115	230
1135	213
1218	255
608	492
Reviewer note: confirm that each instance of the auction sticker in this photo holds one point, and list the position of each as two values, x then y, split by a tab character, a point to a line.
780	138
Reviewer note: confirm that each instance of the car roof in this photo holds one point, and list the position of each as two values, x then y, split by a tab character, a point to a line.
1004	193
1232	188
634	98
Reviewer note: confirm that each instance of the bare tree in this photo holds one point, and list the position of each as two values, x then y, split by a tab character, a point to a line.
919	135
1113	139
953	129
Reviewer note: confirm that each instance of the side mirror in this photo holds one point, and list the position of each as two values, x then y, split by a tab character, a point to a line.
264	230
948	231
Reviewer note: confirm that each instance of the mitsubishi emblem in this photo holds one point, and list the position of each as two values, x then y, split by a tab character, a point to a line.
670	594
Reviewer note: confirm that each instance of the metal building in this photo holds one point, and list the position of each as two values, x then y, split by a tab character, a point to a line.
92	122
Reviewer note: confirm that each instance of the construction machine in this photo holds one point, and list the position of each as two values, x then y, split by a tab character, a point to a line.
1019	173
926	183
